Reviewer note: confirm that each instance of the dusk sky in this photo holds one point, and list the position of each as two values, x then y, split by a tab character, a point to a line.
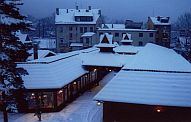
137	10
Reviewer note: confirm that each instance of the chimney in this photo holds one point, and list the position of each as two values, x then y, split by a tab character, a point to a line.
99	12
66	10
77	7
35	49
158	18
89	8
168	18
112	25
57	11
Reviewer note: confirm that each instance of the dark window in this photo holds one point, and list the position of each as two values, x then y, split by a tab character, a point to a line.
150	34
61	40
76	28
91	29
140	34
87	40
61	29
85	29
140	43
116	34
70	28
70	36
81	30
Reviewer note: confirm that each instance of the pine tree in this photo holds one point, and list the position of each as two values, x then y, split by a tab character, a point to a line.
11	51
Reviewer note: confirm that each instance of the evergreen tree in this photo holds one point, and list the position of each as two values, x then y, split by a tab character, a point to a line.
11	51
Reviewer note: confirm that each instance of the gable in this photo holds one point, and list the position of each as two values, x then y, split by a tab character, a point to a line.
105	40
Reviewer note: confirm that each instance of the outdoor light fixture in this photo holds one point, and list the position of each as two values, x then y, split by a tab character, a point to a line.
95	70
110	70
59	92
74	83
158	109
99	103
32	94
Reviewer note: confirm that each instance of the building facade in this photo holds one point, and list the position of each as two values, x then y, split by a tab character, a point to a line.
140	37
163	27
71	24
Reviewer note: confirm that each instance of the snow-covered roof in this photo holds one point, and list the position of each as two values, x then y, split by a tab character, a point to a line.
46	43
55	74
67	16
22	37
127	49
76	44
121	27
126	41
41	54
154	57
88	34
102	59
150	88
158	20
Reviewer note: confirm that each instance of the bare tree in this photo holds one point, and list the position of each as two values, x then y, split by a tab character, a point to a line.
184	24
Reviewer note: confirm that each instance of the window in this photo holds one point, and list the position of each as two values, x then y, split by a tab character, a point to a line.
70	38
61	40
70	28
140	34
150	34
76	28
87	40
116	34
91	29
81	30
61	29
48	100
60	97
85	29
100	34
140	43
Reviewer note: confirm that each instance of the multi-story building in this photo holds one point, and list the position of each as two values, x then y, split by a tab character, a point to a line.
163	27
140	37
71	24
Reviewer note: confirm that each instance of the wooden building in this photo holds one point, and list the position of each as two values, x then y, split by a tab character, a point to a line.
149	92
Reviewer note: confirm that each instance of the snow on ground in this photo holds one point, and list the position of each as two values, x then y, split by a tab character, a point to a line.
83	109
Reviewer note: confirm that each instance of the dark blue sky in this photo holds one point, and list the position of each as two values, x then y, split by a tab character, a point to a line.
137	10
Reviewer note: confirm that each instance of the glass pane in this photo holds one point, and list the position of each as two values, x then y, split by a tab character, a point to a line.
60	97
47	100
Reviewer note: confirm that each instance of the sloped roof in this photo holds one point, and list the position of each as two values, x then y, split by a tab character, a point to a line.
54	74
158	58
150	88
65	17
158	22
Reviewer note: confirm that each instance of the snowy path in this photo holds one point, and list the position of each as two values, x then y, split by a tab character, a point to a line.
83	109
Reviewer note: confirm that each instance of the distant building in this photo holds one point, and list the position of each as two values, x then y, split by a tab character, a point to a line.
140	37
129	24
163	27
71	24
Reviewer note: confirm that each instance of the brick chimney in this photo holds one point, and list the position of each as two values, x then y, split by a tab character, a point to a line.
57	11
89	8
35	49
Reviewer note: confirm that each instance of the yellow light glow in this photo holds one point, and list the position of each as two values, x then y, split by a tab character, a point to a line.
98	103
74	83
158	110
59	92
